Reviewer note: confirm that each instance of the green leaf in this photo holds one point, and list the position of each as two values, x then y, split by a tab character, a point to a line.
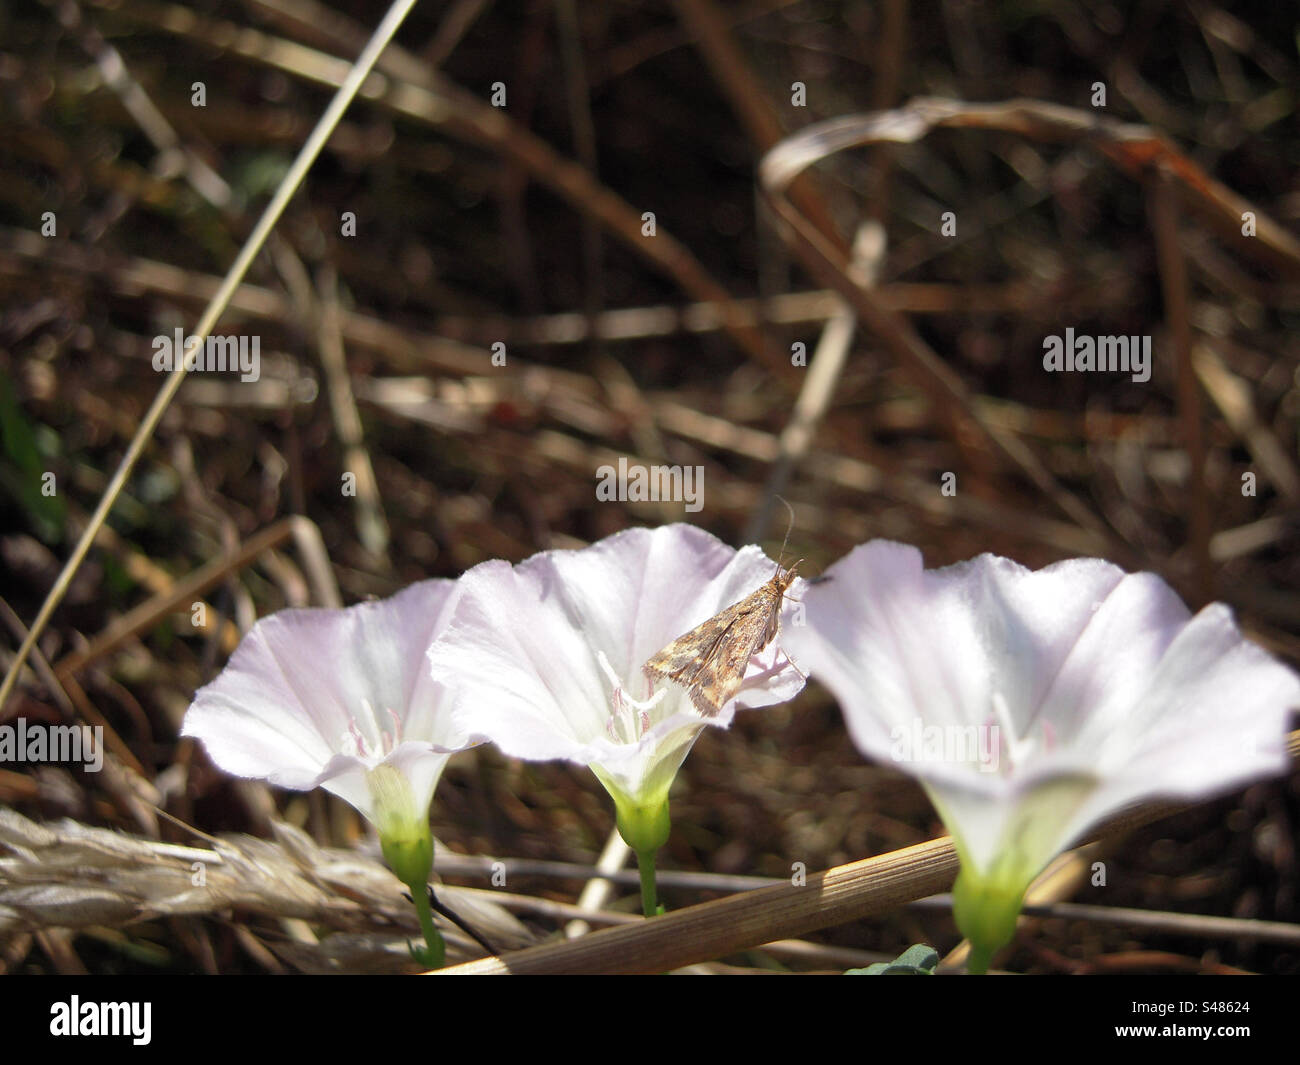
23	466
916	960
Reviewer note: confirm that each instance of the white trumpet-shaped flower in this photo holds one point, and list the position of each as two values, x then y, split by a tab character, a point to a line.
340	699
545	657
1032	705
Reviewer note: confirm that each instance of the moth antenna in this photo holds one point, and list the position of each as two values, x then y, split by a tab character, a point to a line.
788	530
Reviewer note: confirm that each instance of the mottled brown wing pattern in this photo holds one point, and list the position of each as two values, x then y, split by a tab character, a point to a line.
710	660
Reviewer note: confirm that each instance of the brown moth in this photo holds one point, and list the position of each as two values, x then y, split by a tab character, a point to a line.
710	660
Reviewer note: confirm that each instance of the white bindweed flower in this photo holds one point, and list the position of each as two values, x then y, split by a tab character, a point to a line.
342	699
545	657
1032	705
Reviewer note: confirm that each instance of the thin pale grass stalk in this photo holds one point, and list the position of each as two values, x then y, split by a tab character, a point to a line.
472	866
710	31
814	397
67	875
628	400
413	399
781	308
795	949
284	193
71	699
174	156
578	99
824	373
1251	537
741	922
726	926
597	891
438	102
1173	283
1183	924
620	59
372	525
1142	963
886	89
133	276
574	913
1200	925
954	401
186	590
830	467
454	26
123	777
1134	149
1233	397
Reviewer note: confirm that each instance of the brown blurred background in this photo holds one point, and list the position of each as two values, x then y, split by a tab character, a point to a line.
523	225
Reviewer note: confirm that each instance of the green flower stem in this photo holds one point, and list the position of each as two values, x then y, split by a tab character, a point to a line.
645	827
435	954
985	910
407	845
645	863
978	960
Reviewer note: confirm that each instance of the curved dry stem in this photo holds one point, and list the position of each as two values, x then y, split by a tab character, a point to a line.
306	157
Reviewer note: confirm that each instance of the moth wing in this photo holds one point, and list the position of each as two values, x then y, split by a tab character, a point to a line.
721	675
682	658
710	660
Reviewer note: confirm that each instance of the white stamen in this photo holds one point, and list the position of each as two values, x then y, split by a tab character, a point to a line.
1017	747
357	738
385	743
621	700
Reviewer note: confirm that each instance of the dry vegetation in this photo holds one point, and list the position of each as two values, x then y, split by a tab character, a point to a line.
523	225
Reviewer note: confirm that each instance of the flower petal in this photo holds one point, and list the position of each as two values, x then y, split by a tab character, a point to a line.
523	653
303	683
871	634
1111	692
349	778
